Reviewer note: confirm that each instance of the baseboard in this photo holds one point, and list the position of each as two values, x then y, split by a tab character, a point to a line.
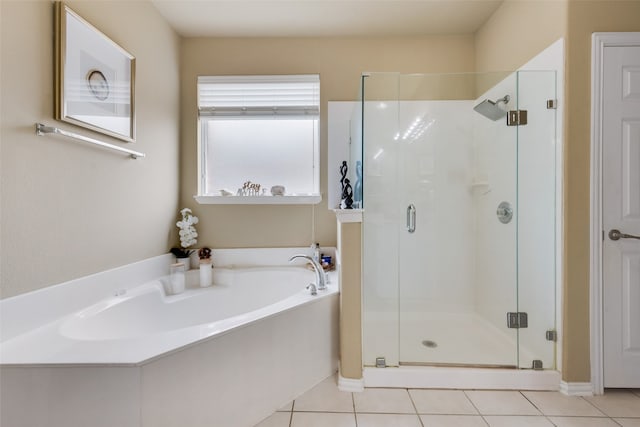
350	384
576	389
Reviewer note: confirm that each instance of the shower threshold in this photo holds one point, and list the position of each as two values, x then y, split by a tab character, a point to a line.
448	377
458	365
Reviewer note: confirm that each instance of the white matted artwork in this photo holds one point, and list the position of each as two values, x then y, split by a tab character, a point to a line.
94	78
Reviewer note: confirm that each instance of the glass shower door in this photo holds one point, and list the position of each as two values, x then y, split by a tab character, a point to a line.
457	268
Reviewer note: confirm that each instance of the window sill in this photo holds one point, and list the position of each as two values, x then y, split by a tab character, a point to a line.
306	199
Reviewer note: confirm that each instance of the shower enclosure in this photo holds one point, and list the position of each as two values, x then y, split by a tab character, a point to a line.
459	233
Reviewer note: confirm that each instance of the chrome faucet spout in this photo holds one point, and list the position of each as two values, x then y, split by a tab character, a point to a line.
321	283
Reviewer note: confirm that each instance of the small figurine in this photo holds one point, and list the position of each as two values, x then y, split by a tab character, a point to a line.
347	196
277	190
343	173
250	189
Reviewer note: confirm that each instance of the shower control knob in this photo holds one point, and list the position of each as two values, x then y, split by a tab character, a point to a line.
504	212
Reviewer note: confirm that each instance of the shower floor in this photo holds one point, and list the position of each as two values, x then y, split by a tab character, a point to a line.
454	339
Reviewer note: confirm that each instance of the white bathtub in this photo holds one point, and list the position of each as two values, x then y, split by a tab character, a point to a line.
239	296
225	355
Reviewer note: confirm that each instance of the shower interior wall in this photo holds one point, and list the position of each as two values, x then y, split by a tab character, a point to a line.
463	269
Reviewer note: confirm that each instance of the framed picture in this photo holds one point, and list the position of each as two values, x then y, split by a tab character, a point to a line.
94	78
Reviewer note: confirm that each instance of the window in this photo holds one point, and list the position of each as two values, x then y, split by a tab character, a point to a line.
262	129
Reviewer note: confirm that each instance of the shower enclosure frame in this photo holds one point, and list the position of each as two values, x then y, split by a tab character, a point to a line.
479	184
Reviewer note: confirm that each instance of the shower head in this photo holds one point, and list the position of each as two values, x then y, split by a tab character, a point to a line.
490	109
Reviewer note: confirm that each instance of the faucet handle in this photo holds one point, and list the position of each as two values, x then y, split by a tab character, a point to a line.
313	289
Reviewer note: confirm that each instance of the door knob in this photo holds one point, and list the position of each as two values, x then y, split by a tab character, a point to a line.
617	235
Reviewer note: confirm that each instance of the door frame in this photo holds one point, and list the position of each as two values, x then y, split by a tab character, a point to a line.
599	41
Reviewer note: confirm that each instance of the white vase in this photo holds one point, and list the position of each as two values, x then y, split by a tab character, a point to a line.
206	273
185	261
177	278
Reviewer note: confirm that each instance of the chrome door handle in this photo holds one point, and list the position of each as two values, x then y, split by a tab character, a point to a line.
411	218
617	235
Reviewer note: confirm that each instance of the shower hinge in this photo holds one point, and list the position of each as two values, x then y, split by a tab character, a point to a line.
537	365
517	320
551	335
552	104
517	118
381	362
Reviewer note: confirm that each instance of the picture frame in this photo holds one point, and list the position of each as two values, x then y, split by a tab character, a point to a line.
95	78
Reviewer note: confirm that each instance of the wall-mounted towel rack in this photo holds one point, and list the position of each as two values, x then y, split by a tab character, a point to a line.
42	130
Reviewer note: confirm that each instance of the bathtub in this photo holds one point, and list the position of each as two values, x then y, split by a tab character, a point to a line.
136	355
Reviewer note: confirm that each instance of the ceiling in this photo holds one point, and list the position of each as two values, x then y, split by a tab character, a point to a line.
325	18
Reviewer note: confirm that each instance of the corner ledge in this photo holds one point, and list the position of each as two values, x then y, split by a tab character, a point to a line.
348	215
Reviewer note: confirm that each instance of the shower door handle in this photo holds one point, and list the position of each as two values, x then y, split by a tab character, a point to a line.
411	218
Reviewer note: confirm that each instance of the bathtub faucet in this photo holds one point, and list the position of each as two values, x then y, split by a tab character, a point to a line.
321	284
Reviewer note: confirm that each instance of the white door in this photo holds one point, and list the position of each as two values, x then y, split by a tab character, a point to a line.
621	211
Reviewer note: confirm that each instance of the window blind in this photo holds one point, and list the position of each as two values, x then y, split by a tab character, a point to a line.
235	96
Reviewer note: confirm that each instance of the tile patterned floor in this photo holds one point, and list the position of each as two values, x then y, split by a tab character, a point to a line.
326	406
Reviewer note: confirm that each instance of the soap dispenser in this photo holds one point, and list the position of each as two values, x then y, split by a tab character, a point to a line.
316	252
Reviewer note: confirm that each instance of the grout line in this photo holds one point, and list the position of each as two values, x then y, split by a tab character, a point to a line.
580	416
549	419
415	408
594	405
473	404
293	404
353	402
536	406
539	409
533	404
400	413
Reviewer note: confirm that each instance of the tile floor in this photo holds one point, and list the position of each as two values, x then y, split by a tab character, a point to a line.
326	406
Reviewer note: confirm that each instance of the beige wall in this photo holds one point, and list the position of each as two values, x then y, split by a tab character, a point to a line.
517	31
349	248
585	18
340	63
68	209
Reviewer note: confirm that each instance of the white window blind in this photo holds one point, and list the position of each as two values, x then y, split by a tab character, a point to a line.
246	96
262	129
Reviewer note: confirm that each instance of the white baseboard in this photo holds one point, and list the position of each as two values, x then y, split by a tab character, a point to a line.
576	389
350	384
